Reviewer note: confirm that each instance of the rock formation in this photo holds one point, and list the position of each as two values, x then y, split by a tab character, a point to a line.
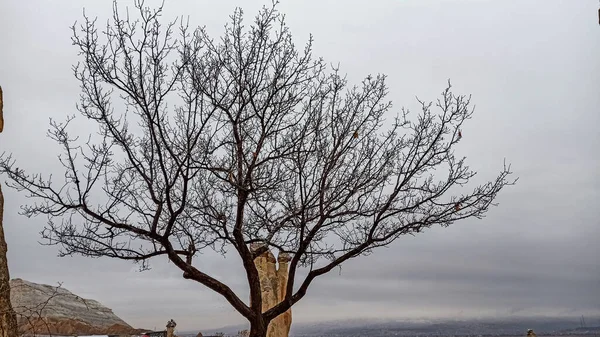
273	283
171	328
44	309
530	333
1	111
8	319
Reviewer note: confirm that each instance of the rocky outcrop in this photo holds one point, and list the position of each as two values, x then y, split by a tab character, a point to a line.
44	309
171	328
1	111
8	319
273	283
69	327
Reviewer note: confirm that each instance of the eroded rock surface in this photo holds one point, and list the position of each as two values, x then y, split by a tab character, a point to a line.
44	309
8	319
1	111
273	282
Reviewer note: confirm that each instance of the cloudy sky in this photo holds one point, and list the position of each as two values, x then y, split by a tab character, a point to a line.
533	69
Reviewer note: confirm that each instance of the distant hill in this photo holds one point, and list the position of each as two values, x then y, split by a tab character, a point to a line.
44	309
474	327
380	328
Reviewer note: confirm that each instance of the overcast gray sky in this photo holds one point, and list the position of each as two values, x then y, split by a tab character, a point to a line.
533	68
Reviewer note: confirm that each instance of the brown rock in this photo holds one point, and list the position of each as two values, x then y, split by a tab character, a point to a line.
273	283
1	111
284	321
8	318
171	328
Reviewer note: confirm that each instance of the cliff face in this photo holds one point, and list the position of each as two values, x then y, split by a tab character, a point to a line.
8	319
1	111
45	309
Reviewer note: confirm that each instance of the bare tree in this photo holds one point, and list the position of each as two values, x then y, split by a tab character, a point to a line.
247	139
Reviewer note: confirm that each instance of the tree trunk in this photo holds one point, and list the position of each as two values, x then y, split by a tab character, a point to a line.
8	318
258	329
258	333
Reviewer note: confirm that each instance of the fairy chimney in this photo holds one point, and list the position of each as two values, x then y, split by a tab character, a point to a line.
171	328
273	282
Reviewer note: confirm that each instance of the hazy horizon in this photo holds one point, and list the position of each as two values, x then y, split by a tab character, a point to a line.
533	69
574	321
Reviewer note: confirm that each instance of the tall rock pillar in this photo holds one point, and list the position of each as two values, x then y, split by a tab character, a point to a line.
284	321
171	328
273	283
8	318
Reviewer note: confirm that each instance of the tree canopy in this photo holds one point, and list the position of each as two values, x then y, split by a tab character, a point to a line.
217	144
